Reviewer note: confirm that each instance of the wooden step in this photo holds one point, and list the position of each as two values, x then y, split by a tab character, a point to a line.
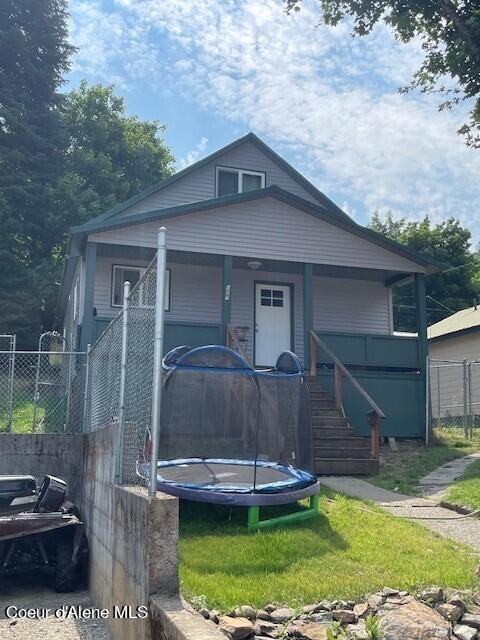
322	412
337	432
329	421
345	453
338	441
346	466
328	403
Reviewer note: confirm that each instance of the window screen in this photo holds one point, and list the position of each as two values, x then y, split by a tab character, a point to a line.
227	183
120	276
251	182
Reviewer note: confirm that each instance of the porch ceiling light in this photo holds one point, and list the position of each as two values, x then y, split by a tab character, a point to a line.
254	264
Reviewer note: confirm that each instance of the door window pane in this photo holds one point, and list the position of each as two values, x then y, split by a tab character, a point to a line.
227	183
250	182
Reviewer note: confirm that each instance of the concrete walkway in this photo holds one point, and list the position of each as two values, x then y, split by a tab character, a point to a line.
436	484
443	521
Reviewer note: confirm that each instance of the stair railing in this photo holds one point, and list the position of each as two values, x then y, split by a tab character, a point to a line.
233	341
374	415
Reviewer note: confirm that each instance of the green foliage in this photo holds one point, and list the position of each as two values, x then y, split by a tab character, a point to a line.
465	491
449	291
450	36
373	627
63	159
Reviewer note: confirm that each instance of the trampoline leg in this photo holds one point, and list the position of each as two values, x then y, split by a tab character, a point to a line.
253	517
254	522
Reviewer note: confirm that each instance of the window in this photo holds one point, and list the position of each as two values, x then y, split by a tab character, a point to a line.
271	297
238	181
133	275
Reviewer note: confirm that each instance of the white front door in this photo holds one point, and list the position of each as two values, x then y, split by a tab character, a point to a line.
273	331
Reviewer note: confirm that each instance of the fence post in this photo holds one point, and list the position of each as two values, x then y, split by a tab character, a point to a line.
86	382
428	397
465	398
123	377
157	357
470	415
13	348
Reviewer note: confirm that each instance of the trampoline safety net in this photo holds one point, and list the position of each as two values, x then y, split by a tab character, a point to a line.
228	427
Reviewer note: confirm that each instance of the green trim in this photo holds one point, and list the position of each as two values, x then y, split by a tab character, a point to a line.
421	304
226	295
307	311
317	211
254	522
87	334
292	314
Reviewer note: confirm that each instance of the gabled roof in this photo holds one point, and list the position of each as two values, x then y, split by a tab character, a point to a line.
466	320
249	137
326	212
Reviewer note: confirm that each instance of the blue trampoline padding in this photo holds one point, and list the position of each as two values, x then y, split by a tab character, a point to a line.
281	483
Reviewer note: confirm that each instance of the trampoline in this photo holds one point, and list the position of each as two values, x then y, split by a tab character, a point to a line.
236	436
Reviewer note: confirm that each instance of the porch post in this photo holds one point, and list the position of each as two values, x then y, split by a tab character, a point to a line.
226	295
421	306
88	323
307	311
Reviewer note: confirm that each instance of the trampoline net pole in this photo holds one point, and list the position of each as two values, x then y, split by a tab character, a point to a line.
157	356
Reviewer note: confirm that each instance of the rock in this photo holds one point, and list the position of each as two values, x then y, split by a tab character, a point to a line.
237	628
269	608
398	599
315	608
471	620
307	630
357	631
324	617
266	628
462	632
245	611
374	601
282	614
360	609
412	620
433	595
263	615
458	602
214	616
204	612
344	616
450	612
386	591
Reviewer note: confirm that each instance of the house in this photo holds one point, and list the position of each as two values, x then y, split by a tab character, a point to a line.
253	244
452	341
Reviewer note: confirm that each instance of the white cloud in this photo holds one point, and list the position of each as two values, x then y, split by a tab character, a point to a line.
193	155
326	100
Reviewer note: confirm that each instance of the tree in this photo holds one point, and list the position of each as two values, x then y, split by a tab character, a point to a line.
34	55
450	35
448	291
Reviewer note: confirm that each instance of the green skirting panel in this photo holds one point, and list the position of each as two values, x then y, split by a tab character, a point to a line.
254	522
401	396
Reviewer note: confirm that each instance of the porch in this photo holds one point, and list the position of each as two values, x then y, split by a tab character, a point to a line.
349	308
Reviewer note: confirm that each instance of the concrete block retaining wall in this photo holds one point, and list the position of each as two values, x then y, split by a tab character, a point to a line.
133	539
58	454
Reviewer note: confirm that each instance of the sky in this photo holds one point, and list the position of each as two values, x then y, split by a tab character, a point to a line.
212	70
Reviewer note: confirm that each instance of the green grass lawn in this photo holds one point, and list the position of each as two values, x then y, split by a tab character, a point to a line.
343	553
466	490
22	418
402	470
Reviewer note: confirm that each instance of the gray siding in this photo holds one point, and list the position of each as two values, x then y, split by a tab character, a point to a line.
70	324
195	291
200	184
351	305
263	229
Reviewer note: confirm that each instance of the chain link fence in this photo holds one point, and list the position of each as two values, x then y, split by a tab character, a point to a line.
454	394
41	392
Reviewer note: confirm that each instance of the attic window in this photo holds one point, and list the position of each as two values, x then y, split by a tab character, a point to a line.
231	181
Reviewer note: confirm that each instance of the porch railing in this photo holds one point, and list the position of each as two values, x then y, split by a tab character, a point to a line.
374	415
233	341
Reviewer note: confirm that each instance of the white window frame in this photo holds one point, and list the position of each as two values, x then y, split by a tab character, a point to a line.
76	291
241	173
141	270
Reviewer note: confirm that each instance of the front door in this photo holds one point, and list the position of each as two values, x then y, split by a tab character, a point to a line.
273	331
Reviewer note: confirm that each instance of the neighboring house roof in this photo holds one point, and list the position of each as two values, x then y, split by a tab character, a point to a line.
464	321
249	137
328	214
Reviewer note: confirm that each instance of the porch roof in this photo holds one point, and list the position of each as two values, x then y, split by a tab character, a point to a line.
320	211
